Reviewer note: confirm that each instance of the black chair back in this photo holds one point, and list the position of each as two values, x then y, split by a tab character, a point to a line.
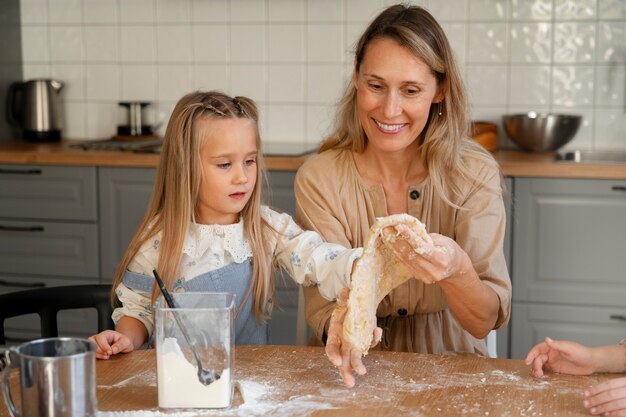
47	302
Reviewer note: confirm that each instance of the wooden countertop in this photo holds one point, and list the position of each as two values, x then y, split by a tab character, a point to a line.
512	162
298	380
62	153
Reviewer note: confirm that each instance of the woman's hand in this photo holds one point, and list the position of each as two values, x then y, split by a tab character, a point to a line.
561	356
110	342
607	398
346	358
427	262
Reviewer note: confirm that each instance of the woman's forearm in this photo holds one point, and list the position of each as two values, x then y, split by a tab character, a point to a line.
473	303
611	358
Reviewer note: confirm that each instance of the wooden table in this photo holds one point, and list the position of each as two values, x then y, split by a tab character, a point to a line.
299	381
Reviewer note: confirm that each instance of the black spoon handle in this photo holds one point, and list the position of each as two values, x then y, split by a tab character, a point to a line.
168	298
172	304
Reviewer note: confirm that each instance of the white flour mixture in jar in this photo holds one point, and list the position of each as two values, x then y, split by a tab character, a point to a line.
178	383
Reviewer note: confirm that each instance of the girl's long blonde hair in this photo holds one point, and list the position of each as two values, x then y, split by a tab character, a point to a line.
176	189
444	142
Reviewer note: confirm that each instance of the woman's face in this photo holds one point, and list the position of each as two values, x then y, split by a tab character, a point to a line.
395	90
228	154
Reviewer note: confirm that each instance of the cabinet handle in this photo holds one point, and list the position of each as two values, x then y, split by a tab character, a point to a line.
618	188
617	317
22	228
21	171
22	284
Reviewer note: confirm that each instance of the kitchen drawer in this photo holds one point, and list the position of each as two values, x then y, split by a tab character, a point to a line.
569	239
48	192
48	248
592	326
75	322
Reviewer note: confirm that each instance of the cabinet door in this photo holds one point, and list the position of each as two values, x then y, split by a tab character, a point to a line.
49	248
503	333
592	326
569	239
288	325
124	197
48	192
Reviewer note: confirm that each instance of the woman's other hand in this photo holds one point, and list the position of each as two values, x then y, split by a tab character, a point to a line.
111	342
427	262
561	356
607	398
341	354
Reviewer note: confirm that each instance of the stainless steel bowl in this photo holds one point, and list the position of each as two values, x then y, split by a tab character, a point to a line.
541	132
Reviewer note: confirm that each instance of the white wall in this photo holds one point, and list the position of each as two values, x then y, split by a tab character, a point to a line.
294	56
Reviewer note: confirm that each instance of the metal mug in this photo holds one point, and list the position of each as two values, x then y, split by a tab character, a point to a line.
57	378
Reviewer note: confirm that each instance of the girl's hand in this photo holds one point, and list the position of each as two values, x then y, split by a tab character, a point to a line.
560	356
607	398
110	342
427	262
342	355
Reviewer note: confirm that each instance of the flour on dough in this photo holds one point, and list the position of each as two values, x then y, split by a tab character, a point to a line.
376	273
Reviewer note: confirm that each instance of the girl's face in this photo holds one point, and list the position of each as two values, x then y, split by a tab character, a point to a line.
395	90
228	154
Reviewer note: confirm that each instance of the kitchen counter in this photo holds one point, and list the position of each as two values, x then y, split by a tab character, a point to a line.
299	381
513	162
65	153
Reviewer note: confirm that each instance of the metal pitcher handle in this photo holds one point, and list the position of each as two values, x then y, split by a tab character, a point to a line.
6	387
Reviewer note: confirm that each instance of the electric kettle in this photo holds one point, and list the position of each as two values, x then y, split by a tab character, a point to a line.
34	107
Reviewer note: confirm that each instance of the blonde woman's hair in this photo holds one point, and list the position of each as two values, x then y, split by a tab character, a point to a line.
444	142
176	190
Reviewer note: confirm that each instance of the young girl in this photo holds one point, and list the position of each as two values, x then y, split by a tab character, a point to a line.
206	230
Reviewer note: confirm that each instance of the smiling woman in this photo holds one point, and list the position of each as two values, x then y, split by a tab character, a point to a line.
401	145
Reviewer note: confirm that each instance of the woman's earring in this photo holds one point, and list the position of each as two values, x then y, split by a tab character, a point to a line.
440	113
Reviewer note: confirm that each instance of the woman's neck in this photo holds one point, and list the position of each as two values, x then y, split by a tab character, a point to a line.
399	168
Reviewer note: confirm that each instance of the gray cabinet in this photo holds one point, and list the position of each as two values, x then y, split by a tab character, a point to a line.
124	197
569	263
287	326
48	237
503	334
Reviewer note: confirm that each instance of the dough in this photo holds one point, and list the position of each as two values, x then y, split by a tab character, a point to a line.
375	274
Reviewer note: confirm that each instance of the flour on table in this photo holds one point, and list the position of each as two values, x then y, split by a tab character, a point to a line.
376	273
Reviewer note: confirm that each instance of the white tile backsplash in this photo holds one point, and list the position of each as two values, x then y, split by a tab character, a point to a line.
100	11
286	43
213	11
103	82
286	83
530	85
137	44
138	83
137	11
101	43
65	11
210	43
488	42
295	56
173	43
575	9
325	43
574	42
531	42
66	43
572	86
248	43
33	12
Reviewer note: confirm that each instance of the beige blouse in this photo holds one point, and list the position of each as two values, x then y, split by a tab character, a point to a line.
334	200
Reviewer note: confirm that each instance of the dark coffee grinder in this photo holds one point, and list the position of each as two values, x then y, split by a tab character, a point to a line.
135	130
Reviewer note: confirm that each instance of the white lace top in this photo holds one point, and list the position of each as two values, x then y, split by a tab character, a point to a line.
303	254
